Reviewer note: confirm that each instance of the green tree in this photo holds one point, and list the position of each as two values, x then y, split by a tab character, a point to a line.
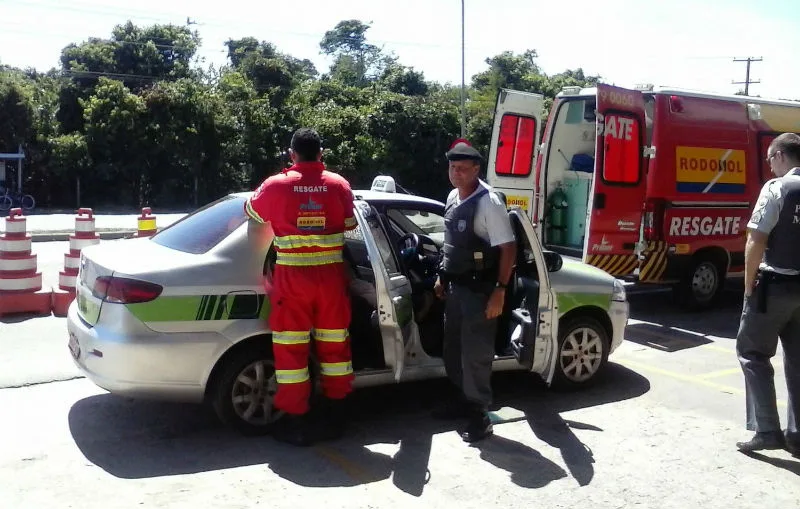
356	62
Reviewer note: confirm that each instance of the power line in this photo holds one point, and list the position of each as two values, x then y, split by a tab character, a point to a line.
747	80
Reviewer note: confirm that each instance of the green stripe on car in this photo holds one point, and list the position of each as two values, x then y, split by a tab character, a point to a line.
202	307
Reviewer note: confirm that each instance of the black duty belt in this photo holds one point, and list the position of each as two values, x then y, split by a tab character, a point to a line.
775	277
470	277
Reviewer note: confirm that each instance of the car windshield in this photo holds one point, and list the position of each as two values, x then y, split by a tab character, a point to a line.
419	221
203	229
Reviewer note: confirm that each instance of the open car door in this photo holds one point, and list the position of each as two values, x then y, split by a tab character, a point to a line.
618	189
534	309
514	147
395	307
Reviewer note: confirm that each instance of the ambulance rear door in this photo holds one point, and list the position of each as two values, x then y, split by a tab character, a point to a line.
514	147
619	183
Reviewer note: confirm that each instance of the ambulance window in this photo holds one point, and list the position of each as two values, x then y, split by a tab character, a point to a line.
622	159
515	146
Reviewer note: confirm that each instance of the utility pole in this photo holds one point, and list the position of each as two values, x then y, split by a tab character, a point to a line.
747	81
463	112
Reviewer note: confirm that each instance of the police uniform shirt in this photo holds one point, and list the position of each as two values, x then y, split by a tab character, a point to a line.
492	223
768	209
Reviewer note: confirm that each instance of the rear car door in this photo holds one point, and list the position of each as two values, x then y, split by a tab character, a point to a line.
515	146
395	308
619	184
533	324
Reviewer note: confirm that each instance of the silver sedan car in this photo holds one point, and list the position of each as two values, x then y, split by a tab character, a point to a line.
183	315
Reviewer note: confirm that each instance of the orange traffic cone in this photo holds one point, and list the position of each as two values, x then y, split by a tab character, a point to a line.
20	283
85	235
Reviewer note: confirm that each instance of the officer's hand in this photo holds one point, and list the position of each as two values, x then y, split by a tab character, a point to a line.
438	288
495	306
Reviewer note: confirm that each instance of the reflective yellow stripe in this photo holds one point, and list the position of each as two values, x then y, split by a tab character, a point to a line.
290	337
147	224
330	335
350	222
308	259
336	368
291	376
298	241
248	207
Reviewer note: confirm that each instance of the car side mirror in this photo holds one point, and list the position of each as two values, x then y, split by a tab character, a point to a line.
553	261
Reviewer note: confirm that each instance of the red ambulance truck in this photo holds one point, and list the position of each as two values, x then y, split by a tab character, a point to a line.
650	184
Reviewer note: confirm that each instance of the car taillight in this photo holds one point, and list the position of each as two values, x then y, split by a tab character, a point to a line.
125	291
653	217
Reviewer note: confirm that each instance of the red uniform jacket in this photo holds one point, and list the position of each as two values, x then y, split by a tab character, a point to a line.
309	209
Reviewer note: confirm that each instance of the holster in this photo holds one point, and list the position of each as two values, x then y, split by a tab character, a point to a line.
762	286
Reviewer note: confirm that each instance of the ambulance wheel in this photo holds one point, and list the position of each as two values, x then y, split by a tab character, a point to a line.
701	286
244	390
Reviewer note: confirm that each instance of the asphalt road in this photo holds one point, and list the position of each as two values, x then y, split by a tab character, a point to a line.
657	430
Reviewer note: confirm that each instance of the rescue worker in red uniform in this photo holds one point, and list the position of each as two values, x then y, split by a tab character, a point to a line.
309	209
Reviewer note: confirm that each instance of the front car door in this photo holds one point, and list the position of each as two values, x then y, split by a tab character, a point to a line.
395	308
618	188
534	315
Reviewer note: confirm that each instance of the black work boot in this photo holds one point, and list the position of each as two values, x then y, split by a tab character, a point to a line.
294	429
478	428
330	421
769	440
792	441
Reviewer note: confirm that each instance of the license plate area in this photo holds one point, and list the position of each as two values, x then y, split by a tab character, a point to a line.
74	346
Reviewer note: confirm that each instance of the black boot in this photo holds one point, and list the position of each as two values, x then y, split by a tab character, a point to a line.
763	441
478	428
294	429
330	422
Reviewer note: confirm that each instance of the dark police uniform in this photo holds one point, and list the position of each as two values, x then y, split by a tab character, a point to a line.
773	309
474	228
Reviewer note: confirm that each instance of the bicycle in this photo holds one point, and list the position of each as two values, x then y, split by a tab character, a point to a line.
11	199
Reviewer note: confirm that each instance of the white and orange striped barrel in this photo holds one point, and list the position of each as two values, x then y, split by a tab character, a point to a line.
21	283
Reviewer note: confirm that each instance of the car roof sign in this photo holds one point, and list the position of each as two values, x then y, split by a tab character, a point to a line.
384	183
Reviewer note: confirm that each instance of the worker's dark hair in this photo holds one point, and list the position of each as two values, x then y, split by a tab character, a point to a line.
306	143
789	144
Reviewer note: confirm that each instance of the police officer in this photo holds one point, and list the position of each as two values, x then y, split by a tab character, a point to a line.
772	301
478	257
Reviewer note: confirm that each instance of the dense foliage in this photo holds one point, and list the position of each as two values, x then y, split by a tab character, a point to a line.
132	120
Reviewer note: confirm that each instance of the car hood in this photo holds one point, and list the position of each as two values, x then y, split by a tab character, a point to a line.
578	277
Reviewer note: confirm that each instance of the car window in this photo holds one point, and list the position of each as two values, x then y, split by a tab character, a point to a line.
203	229
419	221
377	232
524	249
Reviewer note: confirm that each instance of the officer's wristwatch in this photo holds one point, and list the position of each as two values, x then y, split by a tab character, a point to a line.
500	285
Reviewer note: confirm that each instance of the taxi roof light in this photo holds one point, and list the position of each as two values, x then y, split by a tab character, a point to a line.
384	184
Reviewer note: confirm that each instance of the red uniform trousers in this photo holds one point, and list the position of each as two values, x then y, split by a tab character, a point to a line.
310	300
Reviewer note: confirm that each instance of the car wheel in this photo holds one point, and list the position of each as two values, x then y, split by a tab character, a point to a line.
702	285
244	392
583	346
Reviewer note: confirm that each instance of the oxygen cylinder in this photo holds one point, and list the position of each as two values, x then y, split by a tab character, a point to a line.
558	215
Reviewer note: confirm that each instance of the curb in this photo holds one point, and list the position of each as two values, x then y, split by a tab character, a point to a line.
64	236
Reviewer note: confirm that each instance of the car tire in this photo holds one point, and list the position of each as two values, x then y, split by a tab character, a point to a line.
233	398
701	286
581	339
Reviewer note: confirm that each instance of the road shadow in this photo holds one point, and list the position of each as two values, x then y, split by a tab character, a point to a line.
390	436
792	466
22	317
665	316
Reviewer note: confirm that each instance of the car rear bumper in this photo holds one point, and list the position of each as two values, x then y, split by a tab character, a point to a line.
619	312
140	365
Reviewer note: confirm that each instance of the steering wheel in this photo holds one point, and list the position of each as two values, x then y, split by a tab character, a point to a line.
415	256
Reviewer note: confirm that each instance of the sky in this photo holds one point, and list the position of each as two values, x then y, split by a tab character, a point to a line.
676	43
